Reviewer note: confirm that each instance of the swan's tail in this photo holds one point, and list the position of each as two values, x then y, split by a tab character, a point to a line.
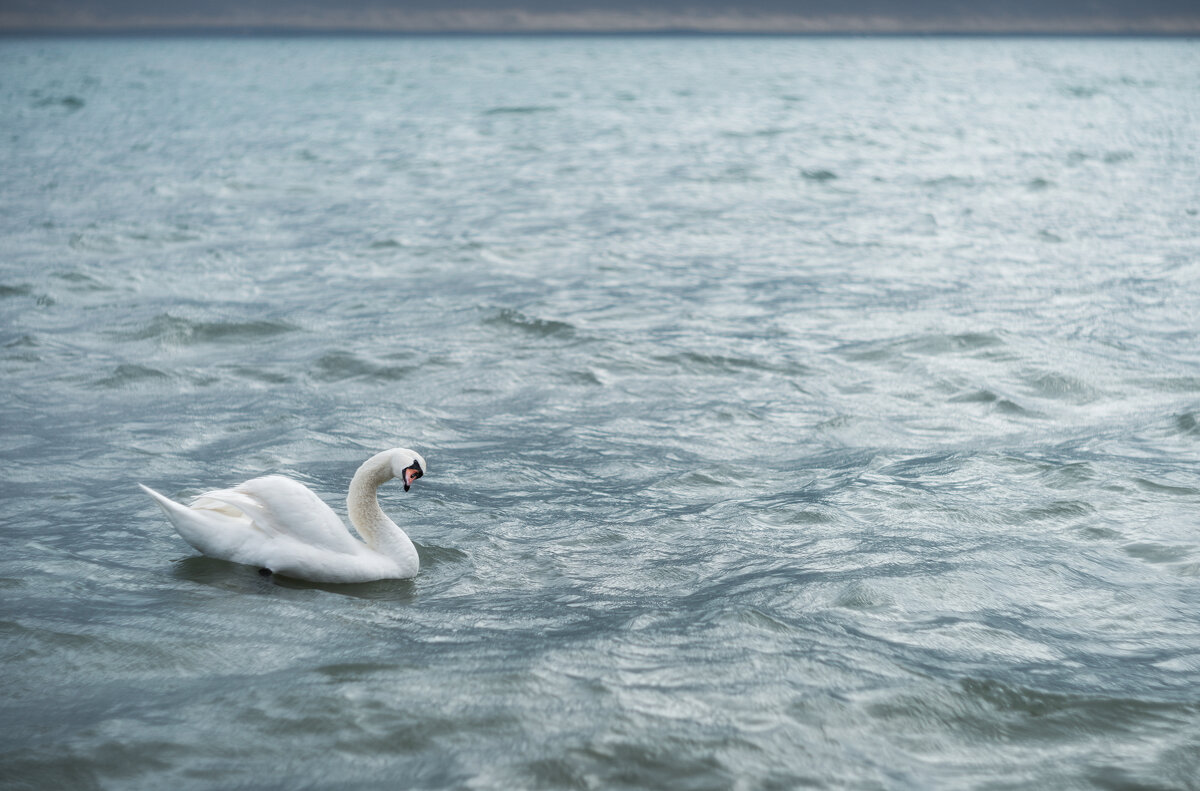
167	503
208	531
179	515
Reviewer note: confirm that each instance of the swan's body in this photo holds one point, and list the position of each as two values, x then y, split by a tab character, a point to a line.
277	524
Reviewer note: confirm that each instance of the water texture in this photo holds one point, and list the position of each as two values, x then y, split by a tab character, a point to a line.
800	412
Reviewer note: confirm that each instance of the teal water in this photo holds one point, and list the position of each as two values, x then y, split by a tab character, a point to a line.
799	412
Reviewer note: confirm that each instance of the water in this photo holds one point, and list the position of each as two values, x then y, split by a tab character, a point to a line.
800	412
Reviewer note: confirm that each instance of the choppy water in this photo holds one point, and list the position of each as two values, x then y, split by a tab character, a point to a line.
799	412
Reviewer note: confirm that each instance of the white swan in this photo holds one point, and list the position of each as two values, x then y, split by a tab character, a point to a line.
280	526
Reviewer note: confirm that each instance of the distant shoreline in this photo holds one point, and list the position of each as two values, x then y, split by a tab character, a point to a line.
266	32
612	23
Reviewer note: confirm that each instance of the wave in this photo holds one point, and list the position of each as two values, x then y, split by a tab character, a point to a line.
1057	386
520	110
981	708
998	403
176	331
926	345
68	103
129	374
1152	552
1068	712
515	319
1187	424
21	290
700	362
81	281
338	366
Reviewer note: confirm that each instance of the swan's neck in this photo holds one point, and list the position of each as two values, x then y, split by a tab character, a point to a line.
380	533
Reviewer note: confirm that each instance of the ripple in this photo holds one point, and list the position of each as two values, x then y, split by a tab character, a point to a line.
1171	384
1069	475
771	131
68	103
337	366
983	709
1187	423
384	590
261	374
529	109
22	290
23	342
81	281
433	555
926	345
950	182
1056	510
1069	712
509	318
701	362
177	331
755	618
127	375
1162	488
1002	405
356	671
1158	553
861	596
1058	386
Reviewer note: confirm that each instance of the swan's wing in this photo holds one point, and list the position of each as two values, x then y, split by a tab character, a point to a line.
221	529
282	507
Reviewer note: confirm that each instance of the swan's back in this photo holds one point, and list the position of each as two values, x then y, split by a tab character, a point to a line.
282	507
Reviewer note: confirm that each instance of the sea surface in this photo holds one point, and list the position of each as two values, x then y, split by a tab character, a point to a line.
800	412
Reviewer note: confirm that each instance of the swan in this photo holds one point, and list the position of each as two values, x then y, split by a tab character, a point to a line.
282	527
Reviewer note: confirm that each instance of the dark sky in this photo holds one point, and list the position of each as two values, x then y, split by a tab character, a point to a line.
1100	15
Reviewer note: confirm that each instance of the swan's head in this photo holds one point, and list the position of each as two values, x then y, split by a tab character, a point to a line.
408	465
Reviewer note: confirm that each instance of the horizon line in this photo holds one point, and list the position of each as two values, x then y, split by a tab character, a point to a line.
287	32
599	23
